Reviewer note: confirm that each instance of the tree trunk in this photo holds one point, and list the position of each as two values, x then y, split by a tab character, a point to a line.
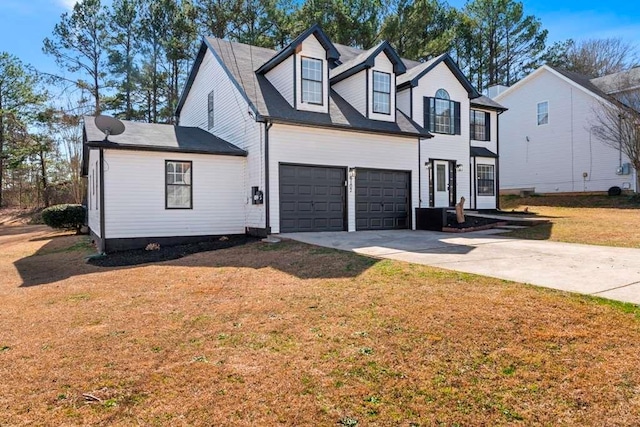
96	90
43	179
129	113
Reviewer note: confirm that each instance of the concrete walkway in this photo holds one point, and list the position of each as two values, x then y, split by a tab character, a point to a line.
603	271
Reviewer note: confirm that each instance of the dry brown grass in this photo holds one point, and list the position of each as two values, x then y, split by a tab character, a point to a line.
297	335
594	220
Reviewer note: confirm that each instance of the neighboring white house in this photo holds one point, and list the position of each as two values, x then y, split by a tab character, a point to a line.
548	143
314	137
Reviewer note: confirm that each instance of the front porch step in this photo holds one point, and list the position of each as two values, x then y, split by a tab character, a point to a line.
511	220
512	227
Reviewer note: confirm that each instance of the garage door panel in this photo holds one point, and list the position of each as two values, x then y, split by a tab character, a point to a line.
336	207
312	198
382	199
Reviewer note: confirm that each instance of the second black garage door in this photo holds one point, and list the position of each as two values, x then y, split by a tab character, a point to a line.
382	199
312	198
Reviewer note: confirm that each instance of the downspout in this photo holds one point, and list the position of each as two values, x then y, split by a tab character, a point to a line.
267	198
102	206
471	175
474	173
419	175
498	160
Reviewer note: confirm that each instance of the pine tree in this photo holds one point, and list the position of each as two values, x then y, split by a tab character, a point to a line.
78	46
19	99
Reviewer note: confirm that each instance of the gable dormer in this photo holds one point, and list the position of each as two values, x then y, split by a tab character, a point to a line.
300	71
437	94
368	81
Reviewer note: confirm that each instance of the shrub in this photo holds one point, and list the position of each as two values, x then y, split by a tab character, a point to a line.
614	191
66	217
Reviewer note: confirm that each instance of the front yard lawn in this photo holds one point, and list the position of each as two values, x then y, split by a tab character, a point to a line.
293	334
594	220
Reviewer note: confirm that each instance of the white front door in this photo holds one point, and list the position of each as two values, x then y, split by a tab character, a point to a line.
441	183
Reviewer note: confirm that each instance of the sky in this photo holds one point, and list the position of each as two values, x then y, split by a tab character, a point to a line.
25	23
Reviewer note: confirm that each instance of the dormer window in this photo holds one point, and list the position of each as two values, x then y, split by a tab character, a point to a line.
381	92
312	81
441	115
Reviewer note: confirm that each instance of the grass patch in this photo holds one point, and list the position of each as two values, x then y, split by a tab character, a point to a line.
596	220
305	336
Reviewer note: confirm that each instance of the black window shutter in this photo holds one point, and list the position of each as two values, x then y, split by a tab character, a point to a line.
432	113
427	113
487	126
456	118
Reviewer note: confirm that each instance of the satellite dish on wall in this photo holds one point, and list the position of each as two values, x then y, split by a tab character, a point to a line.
109	125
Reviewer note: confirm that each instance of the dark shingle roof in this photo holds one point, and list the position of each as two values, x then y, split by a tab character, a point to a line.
366	59
482	152
283	54
581	80
412	77
241	61
160	137
486	102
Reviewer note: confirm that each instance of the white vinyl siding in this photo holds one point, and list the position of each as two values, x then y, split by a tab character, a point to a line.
354	90
404	101
327	147
553	158
139	210
281	77
93	191
233	123
492	141
444	146
311	48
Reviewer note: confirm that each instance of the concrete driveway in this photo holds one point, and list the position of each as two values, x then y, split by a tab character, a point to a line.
603	271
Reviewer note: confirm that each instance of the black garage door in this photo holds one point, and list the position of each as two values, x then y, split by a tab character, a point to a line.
312	198
382	199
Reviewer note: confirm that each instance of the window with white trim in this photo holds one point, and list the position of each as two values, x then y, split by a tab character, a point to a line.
210	110
486	180
381	92
543	113
179	191
312	81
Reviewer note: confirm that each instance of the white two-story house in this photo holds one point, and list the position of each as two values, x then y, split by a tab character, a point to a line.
314	137
549	135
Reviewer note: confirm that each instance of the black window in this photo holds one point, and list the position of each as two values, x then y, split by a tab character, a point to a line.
178	185
486	180
381	92
210	110
312	81
479	123
441	115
